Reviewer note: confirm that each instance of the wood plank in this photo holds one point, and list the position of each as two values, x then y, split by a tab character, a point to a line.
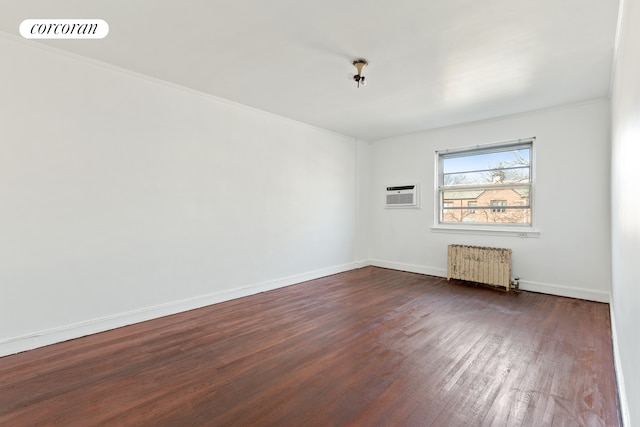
363	348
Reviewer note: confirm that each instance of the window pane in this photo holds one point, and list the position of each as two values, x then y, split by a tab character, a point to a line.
471	162
510	175
504	215
511	165
484	197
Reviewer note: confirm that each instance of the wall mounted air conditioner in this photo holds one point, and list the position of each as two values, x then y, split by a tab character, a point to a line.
402	196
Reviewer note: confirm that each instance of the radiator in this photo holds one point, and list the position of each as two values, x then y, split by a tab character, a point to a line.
491	266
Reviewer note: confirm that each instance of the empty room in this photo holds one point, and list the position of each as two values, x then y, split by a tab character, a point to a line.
281	213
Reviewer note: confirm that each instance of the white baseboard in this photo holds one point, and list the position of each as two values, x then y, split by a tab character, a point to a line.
412	268
362	263
77	330
565	291
622	391
545	288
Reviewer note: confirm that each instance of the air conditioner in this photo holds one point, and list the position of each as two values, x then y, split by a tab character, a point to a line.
402	196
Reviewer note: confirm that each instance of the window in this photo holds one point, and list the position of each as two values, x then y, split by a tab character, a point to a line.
498	203
472	205
487	185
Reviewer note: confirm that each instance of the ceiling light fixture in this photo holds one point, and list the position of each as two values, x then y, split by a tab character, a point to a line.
359	78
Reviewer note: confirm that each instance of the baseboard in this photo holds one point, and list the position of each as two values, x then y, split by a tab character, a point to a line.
362	263
93	326
544	288
411	268
565	291
622	391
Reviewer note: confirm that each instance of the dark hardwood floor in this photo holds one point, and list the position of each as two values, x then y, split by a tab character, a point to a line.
370	347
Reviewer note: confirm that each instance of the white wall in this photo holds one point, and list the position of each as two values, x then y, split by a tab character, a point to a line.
625	203
364	203
572	255
125	198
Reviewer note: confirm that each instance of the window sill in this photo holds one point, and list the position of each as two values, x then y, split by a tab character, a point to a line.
523	233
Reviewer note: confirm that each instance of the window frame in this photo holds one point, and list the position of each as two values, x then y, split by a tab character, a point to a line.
514	229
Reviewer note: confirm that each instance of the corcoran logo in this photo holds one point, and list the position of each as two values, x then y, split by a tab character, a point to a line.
64	29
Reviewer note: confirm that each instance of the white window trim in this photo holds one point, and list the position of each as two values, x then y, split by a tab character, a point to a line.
513	230
522	232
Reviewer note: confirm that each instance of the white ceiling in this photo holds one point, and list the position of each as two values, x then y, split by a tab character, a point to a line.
433	63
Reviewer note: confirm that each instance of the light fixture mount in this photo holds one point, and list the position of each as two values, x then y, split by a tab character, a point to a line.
359	78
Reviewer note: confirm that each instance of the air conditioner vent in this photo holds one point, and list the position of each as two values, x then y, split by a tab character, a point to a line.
402	196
